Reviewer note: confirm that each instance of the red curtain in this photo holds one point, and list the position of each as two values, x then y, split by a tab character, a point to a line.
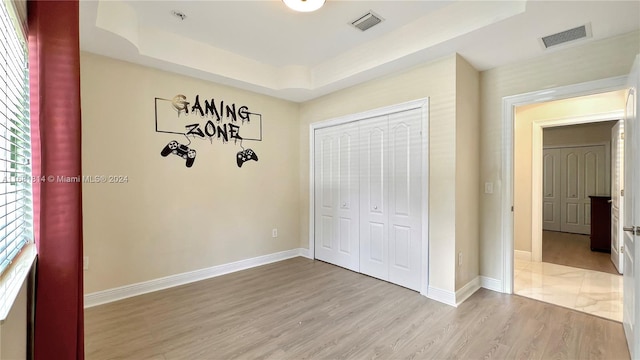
54	65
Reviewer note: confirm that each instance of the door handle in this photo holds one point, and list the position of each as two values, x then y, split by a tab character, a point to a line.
632	229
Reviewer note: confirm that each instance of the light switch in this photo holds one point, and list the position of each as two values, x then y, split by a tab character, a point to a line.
488	188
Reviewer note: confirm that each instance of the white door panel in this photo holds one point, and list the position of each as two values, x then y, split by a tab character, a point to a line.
374	232
336	193
617	175
405	198
631	216
551	189
584	172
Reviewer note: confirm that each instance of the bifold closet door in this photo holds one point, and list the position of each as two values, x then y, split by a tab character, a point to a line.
551	178
405	196
336	196
584	173
390	198
374	188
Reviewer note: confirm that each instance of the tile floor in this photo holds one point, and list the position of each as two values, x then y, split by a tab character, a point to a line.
593	292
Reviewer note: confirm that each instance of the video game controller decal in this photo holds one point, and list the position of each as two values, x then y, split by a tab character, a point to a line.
208	120
244	156
173	147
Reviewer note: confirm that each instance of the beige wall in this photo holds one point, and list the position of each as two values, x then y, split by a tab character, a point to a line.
435	80
525	116
592	133
169	219
594	60
467	172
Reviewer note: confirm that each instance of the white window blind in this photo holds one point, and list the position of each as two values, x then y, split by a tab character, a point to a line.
15	146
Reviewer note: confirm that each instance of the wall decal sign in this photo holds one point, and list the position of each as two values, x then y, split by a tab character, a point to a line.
206	119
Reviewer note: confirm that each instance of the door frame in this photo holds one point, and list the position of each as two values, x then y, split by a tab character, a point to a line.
423	105
509	103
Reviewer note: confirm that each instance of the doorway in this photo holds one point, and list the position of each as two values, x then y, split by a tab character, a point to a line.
570	144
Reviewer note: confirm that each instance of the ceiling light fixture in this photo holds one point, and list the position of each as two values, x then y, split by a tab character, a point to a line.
304	5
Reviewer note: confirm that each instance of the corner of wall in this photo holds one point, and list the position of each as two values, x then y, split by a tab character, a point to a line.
467	173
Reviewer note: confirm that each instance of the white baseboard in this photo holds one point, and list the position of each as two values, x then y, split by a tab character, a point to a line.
522	255
305	253
123	292
491	283
464	292
443	296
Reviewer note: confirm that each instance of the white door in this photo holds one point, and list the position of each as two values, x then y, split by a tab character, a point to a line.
551	189
336	196
584	173
617	175
374	187
405	173
390	198
631	215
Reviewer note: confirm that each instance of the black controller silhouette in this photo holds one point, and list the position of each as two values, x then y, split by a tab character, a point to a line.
183	151
244	156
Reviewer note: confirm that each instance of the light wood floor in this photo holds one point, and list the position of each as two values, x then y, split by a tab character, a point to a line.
304	309
574	250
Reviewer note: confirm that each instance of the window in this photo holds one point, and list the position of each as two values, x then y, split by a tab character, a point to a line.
15	147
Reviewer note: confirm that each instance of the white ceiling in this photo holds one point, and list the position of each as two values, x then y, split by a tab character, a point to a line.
265	47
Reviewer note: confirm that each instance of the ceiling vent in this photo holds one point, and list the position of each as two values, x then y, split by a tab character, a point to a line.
367	21
577	33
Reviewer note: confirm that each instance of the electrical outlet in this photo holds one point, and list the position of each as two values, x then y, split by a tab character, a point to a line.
460	258
274	233
85	263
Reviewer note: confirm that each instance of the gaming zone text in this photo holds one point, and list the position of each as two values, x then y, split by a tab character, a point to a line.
225	131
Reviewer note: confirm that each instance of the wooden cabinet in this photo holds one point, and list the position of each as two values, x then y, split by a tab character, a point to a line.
600	223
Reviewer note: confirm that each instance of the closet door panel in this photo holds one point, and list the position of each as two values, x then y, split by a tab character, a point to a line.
374	231
551	189
405	193
336	195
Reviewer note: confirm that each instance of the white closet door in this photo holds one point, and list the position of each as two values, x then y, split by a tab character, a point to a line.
584	174
336	196
551	189
404	205
374	209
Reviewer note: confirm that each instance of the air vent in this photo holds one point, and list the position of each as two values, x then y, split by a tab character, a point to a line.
577	33
367	21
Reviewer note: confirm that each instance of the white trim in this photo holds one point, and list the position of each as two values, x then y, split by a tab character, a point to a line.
466	291
127	291
491	284
425	198
422	104
14	277
508	105
312	191
536	194
443	296
523	255
305	253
